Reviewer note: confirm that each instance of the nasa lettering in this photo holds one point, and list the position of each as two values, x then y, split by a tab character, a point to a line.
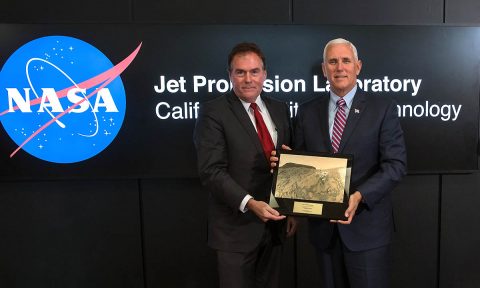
61	99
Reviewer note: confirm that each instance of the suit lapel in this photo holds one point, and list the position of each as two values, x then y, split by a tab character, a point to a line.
323	122
276	119
358	106
242	116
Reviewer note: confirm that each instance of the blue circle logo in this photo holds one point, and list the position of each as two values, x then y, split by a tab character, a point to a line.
61	99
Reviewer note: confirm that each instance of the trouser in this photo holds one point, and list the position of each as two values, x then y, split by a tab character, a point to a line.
259	268
342	268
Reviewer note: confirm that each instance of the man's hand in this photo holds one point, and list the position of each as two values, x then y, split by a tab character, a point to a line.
353	203
264	211
292	224
274	158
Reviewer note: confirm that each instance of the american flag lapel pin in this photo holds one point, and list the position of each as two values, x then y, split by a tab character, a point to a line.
357	111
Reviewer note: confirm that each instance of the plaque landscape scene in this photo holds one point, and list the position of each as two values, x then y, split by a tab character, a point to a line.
312	184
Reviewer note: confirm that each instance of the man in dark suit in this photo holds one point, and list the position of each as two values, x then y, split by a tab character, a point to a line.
355	252
233	165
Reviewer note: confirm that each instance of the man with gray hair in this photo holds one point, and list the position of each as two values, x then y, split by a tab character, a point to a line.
354	252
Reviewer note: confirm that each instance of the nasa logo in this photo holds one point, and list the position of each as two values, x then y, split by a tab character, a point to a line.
61	99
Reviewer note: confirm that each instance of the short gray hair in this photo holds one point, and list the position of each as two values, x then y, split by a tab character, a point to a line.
340	41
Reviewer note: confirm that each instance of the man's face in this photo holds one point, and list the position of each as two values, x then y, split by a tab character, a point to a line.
340	68
247	76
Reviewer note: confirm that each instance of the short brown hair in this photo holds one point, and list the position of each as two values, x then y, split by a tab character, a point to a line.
243	48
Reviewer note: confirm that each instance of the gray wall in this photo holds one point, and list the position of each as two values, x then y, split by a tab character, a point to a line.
151	232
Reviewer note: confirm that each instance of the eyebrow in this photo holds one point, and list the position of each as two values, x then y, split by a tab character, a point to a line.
251	70
341	58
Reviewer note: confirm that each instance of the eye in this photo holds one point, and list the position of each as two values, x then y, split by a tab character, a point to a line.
255	72
239	73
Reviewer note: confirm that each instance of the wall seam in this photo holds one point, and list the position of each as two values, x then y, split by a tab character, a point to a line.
439	228
132	11
142	232
444	11
291	12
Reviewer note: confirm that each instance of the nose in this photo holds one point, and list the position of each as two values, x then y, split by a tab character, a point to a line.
339	66
248	77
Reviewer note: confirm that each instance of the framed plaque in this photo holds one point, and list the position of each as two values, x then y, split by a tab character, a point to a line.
312	184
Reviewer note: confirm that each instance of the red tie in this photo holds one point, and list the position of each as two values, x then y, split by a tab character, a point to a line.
338	124
262	131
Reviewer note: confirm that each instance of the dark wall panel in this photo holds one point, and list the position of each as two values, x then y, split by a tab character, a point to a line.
59	11
460	236
415	244
462	11
175	229
213	11
70	234
368	12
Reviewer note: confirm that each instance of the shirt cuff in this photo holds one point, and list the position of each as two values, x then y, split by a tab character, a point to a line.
243	206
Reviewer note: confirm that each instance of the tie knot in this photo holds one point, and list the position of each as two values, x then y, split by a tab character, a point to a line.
341	103
254	106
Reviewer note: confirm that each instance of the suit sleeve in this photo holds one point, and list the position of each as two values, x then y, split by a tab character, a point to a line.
288	136
212	158
298	139
391	158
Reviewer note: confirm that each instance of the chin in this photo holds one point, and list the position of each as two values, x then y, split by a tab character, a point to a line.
343	87
248	98
251	95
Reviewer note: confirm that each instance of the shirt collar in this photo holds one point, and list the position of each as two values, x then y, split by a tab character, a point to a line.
258	101
348	97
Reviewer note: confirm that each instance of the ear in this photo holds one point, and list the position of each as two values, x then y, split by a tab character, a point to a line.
358	66
323	70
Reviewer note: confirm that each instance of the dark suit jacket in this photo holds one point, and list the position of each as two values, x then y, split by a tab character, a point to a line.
232	164
374	136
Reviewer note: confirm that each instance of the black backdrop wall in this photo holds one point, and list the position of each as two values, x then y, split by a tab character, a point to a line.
149	231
